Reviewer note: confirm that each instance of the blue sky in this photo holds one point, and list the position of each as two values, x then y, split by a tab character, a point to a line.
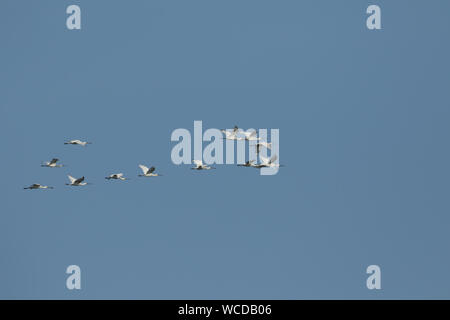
363	119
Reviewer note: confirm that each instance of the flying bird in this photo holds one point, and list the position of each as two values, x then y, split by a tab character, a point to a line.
116	176
78	142
250	163
263	144
231	135
76	182
266	162
52	164
200	166
38	186
148	172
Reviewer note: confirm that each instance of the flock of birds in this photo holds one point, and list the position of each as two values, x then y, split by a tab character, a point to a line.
234	134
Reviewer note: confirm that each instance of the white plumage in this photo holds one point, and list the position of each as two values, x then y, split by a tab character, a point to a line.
78	142
200	166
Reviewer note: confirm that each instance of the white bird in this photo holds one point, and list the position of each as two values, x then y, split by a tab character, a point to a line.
38	186
116	176
249	136
78	142
52	164
231	135
266	162
263	144
200	166
76	182
250	163
148	172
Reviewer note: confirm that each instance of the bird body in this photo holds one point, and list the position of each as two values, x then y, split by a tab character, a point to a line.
266	162
52	164
38	186
76	182
250	163
78	142
200	166
116	176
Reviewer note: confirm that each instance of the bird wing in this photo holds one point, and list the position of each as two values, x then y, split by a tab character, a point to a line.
119	175
54	160
199	163
72	179
78	181
143	168
35	185
151	170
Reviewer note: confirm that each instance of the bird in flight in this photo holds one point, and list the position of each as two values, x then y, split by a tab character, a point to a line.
116	176
76	182
38	186
231	135
148	172
52	164
78	142
266	162
249	163
200	166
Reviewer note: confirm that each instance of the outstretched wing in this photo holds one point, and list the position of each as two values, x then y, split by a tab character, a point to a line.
119	175
143	168
151	170
72	179
53	161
